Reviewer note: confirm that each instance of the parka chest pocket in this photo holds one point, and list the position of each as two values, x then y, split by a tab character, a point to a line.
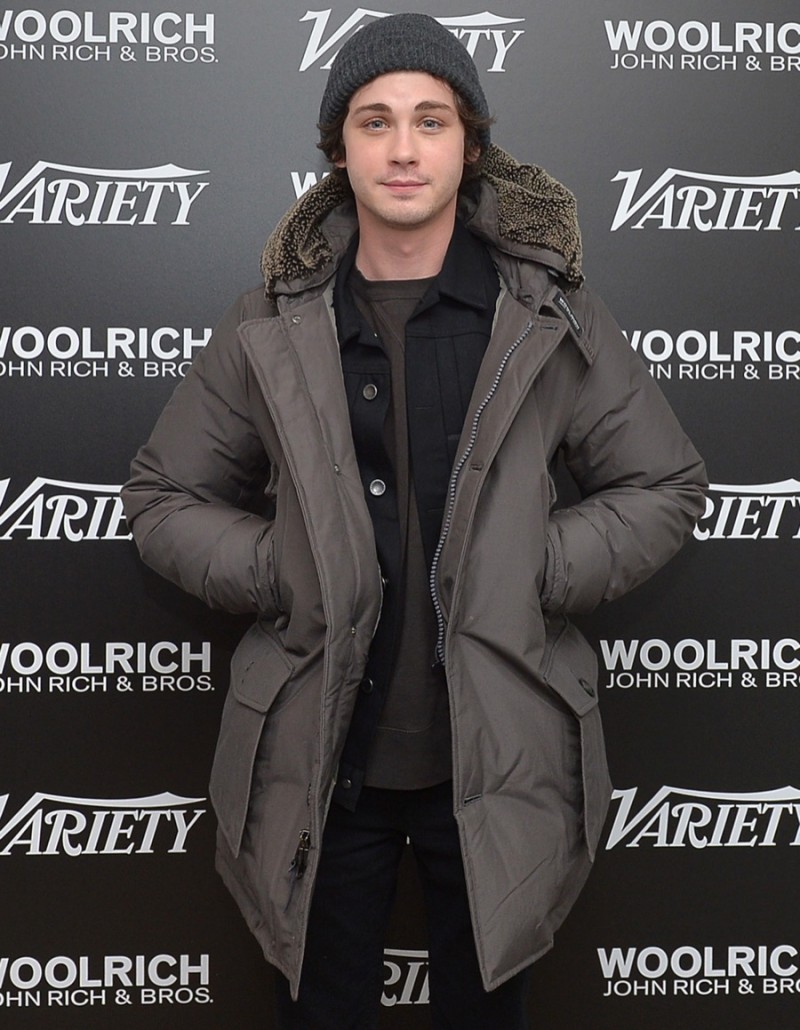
260	669
571	673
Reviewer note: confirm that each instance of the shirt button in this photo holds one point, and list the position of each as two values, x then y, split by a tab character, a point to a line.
347	784
370	392
367	685
377	487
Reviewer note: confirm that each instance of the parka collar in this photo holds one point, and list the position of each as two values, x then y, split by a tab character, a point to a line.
517	208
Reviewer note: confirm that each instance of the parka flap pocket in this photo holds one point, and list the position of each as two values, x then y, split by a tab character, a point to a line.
259	668
572	670
571	673
576	692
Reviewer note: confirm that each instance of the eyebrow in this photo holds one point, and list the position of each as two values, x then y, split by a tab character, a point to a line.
423	105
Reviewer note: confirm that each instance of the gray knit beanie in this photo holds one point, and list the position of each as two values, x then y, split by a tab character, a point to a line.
402	42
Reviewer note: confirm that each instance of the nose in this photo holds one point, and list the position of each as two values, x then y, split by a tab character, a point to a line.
403	150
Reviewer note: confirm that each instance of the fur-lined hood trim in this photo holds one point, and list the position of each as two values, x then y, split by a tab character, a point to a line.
533	213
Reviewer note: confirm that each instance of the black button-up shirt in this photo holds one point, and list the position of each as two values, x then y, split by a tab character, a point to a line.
445	340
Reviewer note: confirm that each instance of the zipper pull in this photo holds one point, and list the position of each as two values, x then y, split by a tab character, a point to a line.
300	860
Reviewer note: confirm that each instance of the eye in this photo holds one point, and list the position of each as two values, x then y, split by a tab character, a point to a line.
375	123
431	123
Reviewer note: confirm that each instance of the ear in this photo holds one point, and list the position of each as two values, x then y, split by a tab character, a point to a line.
472	155
341	160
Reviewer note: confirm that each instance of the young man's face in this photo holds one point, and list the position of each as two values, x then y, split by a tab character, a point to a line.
404	151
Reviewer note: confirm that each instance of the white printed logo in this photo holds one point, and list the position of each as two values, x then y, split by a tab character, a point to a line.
32	35
696	46
406	978
67	352
54	194
762	511
697	200
52	509
49	824
114	667
706	664
679	818
491	31
303	183
688	971
702	355
63	981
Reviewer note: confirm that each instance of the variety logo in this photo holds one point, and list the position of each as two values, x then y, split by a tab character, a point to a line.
116	666
697	200
63	981
51	509
678	818
696	46
67	352
706	664
53	194
703	355
49	824
482	34
762	511
406	978
32	35
688	970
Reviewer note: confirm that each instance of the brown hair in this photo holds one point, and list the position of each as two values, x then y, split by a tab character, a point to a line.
331	139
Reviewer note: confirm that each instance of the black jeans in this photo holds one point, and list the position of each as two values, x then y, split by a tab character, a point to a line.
343	969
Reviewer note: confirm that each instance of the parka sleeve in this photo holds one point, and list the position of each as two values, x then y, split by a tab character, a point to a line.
641	480
194	480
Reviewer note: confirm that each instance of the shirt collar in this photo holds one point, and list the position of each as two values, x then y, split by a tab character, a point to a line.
467	276
463	276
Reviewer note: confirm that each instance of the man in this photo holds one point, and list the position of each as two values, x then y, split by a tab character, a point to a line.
361	457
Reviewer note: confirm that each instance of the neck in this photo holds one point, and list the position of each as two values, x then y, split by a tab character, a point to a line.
386	252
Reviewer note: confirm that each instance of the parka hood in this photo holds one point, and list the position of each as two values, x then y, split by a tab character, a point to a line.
531	210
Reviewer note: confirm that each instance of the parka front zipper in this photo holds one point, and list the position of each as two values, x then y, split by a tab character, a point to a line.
448	518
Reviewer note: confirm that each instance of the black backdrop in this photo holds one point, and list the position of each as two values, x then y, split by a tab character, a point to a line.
145	154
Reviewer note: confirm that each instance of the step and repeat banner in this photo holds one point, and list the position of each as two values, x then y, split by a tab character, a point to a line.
146	153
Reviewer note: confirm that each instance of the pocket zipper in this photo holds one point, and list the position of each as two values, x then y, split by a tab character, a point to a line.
297	867
300	860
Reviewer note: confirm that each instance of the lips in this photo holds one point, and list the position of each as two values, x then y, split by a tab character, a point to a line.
403	184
